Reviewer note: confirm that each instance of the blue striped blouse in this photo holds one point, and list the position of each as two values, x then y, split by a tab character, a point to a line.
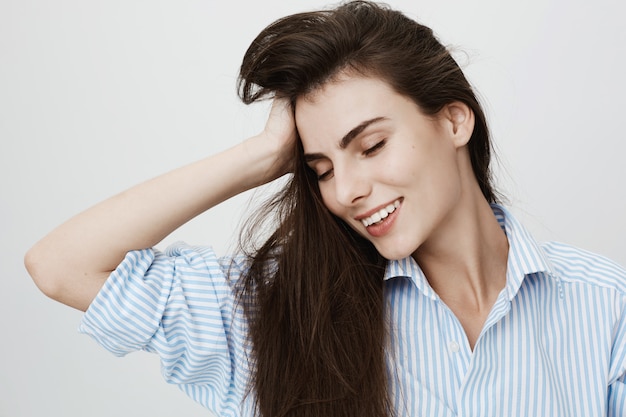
554	343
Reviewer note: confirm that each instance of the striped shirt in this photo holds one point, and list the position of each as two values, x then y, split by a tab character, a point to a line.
554	343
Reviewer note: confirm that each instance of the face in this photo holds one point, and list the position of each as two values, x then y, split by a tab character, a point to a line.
389	171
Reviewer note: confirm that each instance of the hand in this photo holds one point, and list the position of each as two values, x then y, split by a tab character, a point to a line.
280	133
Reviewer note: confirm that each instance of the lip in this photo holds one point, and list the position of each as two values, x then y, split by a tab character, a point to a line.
382	228
372	211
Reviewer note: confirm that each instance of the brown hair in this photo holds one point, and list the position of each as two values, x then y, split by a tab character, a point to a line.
316	315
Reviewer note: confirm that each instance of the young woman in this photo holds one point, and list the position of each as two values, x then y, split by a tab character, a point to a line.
393	283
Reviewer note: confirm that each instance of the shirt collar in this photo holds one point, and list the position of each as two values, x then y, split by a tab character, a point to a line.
525	258
408	268
525	255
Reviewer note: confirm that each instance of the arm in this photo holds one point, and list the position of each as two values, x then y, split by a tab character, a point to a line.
73	261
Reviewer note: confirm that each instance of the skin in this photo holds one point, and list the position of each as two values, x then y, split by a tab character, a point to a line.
370	147
442	220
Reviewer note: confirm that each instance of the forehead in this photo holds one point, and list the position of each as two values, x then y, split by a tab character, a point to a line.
359	91
335	108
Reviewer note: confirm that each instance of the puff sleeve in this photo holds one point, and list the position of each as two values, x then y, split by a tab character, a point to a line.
181	305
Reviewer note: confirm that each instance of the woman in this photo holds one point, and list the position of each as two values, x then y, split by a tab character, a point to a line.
393	283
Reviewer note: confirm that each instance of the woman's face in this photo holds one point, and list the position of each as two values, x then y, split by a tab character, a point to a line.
385	168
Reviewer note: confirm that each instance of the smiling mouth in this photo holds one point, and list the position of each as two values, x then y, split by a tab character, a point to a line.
381	214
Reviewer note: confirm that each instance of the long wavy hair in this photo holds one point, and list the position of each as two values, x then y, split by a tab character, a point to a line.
313	294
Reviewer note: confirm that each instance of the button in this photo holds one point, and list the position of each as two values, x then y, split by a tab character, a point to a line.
454	347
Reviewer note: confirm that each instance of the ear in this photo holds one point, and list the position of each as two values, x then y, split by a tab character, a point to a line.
458	119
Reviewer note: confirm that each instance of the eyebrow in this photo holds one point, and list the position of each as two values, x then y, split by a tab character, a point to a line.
349	137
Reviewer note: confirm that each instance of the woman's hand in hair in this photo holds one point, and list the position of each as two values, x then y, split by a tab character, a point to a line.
280	135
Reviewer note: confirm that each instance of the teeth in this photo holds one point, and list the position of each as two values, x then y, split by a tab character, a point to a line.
381	214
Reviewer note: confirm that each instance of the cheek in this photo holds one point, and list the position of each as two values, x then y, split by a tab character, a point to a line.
327	193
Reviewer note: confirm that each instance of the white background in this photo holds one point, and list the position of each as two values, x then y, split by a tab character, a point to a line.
97	96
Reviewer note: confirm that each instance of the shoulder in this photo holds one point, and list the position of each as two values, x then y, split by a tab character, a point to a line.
577	265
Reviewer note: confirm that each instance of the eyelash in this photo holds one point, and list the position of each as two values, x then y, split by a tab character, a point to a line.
374	148
325	175
366	152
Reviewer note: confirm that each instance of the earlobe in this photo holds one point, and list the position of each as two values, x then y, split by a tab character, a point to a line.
461	121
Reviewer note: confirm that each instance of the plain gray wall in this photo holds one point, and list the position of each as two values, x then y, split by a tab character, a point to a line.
97	96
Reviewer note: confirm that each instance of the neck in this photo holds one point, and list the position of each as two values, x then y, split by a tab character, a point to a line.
465	262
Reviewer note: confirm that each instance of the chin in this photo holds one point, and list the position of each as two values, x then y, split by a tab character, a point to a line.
394	254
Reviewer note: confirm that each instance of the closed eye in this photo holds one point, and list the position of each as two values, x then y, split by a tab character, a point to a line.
374	148
325	175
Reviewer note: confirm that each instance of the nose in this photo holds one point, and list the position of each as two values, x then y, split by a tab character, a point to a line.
351	185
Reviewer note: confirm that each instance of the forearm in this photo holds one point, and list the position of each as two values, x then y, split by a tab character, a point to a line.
71	263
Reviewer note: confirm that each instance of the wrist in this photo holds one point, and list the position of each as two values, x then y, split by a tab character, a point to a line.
266	159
